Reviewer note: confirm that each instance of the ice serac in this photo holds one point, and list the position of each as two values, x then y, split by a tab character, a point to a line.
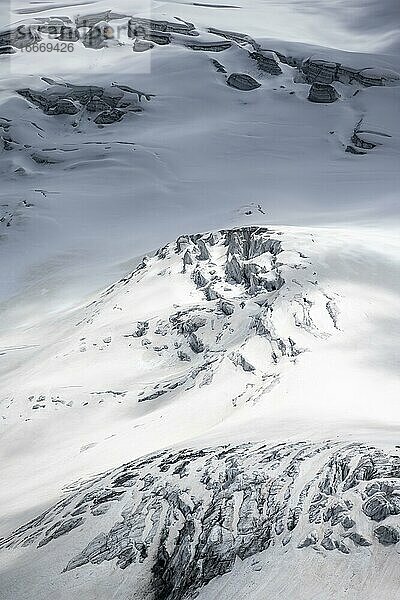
322	93
243	82
181	518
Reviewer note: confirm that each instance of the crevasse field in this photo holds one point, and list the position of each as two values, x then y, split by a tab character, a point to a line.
199	290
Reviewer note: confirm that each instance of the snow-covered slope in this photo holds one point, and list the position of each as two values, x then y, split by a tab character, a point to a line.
217	418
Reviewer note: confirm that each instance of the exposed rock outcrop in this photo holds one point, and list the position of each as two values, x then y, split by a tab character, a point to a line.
322	93
243	82
110	103
266	62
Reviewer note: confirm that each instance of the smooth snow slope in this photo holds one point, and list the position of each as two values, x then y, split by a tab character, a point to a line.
259	342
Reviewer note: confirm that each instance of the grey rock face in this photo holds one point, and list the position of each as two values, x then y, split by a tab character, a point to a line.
359	540
141	329
136	23
98	35
266	62
219	68
187	324
209	46
319	71
239	38
109	116
239	360
352	150
195	343
71	99
347	523
20	37
59	529
63	106
187	260
68	34
243	82
7	50
96	104
383	501
158	32
328	543
226	307
91	19
387	535
322	93
358	142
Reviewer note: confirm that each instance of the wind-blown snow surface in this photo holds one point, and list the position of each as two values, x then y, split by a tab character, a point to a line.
227	405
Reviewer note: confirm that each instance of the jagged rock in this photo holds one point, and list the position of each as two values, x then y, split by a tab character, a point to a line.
96	104
130	90
20	36
233	270
7	50
266	62
183	356
68	34
327	543
187	260
226	307
60	529
142	45
319	71
382	503
136	23
195	343
310	540
341	546
153	396
358	142
352	150
370	77
209	46
239	38
63	107
91	19
98	35
186	326
322	93
359	540
107	117
240	361
347	522
243	82
220	68
210	293
70	99
161	39
387	535
199	279
141	329
181	243
203	253
61	28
